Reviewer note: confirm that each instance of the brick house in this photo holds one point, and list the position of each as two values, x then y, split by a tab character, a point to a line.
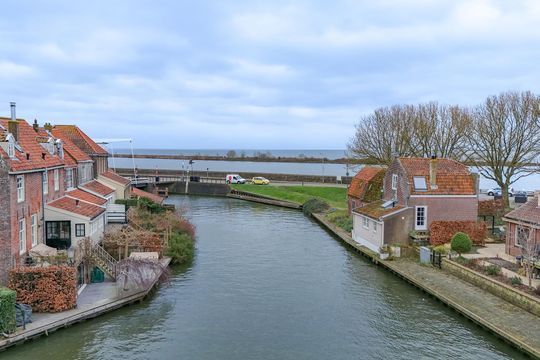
520	223
31	174
416	192
365	187
99	155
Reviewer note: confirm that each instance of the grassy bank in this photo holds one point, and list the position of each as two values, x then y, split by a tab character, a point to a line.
334	196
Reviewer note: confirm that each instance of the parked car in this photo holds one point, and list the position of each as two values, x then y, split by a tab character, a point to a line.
259	180
498	192
234	179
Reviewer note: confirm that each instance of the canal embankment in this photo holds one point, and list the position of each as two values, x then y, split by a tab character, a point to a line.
94	300
510	322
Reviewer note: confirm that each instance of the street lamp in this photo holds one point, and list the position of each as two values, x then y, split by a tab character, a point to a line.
207	177
322	158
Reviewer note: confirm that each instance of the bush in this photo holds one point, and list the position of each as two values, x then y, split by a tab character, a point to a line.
516	280
7	310
45	289
461	243
441	232
493	270
181	248
315	206
462	261
441	249
341	219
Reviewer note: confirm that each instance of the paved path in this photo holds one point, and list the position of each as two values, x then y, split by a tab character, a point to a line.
510	319
518	326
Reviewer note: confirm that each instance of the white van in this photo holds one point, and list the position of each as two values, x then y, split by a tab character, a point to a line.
234	179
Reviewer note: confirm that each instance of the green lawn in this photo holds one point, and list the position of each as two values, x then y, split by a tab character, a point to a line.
336	197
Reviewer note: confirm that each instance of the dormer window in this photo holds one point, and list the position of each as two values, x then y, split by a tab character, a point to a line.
51	146
394	181
420	183
60	148
11	149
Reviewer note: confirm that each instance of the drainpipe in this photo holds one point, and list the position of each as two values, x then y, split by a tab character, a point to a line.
44	231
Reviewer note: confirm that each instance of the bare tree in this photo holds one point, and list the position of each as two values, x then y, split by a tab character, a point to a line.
526	238
505	138
384	134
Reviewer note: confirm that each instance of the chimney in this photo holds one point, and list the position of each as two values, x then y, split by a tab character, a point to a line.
433	172
13	125
35	125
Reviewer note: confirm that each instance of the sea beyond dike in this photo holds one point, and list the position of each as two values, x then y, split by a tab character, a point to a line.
270	283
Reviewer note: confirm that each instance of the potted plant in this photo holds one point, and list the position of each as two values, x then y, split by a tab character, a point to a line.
384	252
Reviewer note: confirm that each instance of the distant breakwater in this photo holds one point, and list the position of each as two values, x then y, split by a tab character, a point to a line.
246	158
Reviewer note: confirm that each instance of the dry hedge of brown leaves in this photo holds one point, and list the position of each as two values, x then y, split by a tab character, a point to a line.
45	289
441	232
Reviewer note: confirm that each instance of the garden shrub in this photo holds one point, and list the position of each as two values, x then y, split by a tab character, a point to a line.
441	249
181	248
493	270
7	310
516	280
441	232
45	289
462	261
315	206
461	243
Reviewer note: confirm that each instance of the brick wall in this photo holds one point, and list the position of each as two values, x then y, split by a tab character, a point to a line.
5	229
402	185
448	208
511	248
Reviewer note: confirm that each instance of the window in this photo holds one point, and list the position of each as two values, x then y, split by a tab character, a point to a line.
56	180
374	226
58	234
11	149
20	188
34	229
45	183
420	183
366	222
394	181
69	178
421	212
79	230
22	236
60	148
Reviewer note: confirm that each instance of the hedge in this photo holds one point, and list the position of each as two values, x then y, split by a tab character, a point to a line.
441	232
7	310
45	289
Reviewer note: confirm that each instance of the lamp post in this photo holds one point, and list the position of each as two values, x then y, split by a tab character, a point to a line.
322	158
207	177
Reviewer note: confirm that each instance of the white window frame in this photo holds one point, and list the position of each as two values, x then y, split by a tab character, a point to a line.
416	226
374	226
34	229
365	222
22	236
45	182
524	229
20	188
69	178
394	181
11	149
56	175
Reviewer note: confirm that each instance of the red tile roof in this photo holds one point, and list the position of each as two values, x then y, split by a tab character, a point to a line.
115	177
361	181
86	196
528	212
28	142
77	207
135	192
73	151
98	188
375	211
83	141
452	177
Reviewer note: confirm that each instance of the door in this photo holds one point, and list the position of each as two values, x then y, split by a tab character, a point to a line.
421	218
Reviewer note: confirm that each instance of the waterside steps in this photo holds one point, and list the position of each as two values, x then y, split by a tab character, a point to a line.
100	257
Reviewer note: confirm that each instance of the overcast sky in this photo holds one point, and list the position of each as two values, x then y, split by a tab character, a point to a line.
257	74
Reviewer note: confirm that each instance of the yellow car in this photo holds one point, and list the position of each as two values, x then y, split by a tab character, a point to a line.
259	180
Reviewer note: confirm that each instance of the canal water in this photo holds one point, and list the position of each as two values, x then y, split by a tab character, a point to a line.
269	283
